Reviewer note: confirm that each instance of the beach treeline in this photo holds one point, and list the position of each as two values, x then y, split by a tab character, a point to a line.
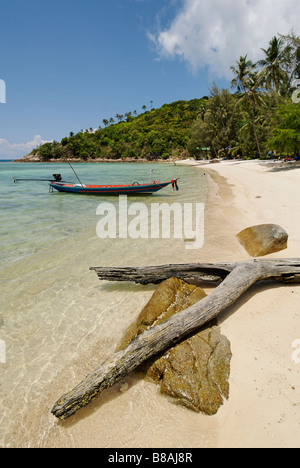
258	117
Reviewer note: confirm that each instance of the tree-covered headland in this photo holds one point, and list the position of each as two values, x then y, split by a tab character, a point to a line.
153	134
257	117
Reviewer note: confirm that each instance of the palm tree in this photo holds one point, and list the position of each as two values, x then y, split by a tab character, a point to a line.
128	115
242	71
248	82
272	71
290	61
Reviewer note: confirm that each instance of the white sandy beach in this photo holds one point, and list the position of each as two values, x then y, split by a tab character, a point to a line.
264	404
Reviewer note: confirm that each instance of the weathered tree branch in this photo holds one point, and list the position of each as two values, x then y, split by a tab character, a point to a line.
208	272
239	277
157	274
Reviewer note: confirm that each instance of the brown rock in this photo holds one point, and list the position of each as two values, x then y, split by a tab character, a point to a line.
171	296
263	239
195	372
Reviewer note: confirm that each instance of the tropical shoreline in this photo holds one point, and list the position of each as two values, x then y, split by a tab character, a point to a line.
187	161
263	405
263	409
96	160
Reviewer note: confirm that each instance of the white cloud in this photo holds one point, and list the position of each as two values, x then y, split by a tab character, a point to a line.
16	150
215	33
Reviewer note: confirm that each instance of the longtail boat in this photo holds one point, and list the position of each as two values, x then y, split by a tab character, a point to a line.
133	189
130	189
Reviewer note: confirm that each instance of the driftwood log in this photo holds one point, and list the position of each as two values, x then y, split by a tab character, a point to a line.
207	272
235	278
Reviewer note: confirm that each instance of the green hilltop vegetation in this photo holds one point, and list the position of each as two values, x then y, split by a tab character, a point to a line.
257	118
158	133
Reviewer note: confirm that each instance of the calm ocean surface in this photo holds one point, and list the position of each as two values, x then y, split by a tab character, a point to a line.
54	311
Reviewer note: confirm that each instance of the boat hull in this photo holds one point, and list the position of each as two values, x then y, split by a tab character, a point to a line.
134	189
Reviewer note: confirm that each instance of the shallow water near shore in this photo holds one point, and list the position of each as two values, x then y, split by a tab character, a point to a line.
54	310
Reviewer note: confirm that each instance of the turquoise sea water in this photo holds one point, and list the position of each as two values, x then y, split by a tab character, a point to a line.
32	219
54	310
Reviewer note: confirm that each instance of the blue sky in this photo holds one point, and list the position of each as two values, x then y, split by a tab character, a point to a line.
68	64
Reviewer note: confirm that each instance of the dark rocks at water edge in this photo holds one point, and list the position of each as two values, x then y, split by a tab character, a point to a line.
263	239
195	372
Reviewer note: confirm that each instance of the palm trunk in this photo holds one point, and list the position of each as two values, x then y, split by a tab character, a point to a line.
253	119
254	129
